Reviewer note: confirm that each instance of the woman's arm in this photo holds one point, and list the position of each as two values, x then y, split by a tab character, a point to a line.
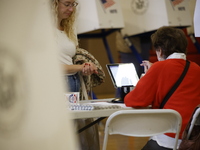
71	69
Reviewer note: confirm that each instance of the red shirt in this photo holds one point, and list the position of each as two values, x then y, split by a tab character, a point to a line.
152	88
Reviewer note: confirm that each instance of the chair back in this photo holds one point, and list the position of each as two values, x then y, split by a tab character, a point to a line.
191	134
195	121
143	123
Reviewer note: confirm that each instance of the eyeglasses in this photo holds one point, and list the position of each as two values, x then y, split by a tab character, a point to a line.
74	4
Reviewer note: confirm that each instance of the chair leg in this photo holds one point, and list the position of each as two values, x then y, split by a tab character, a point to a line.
105	141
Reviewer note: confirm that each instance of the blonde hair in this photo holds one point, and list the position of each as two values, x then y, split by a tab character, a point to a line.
67	24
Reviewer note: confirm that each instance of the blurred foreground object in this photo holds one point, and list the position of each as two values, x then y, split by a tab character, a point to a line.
33	114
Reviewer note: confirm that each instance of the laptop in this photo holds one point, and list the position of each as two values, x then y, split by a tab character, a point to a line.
123	74
124	77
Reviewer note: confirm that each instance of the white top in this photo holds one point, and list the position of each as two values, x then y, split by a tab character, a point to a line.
177	56
164	140
67	48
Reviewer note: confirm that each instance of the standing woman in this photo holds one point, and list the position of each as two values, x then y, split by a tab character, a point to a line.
80	67
64	11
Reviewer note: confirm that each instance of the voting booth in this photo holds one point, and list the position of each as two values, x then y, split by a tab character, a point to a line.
98	14
148	15
197	19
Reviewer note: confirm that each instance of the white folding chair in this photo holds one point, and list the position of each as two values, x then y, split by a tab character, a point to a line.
143	123
195	121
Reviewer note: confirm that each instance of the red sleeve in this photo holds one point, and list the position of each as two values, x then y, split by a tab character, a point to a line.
145	91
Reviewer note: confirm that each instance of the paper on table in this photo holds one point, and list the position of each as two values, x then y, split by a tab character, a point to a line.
96	106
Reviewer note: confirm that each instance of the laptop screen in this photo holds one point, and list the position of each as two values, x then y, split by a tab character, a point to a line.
123	74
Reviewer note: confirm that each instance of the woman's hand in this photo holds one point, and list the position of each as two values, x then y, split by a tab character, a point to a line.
89	68
146	65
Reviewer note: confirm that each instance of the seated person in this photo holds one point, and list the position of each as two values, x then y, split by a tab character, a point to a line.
170	45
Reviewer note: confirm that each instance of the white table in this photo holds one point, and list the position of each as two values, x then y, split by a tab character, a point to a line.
80	114
99	114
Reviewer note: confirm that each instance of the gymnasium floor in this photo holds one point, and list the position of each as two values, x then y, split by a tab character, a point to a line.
119	142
